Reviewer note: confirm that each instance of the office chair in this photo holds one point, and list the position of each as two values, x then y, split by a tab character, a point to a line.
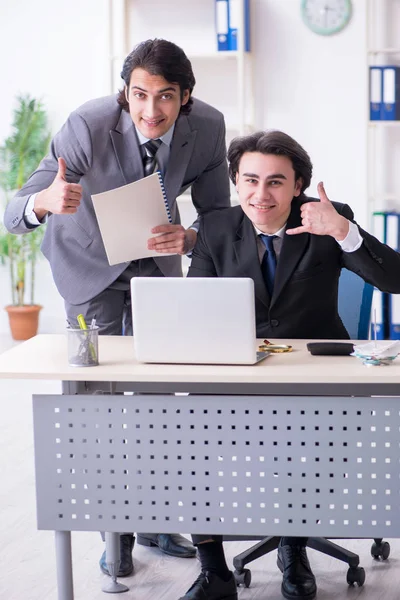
354	302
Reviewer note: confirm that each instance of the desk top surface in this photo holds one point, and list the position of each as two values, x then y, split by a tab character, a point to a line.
45	357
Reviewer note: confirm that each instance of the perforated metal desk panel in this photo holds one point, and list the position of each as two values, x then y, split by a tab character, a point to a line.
295	445
323	467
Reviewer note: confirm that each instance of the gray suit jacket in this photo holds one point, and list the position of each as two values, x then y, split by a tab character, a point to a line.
101	150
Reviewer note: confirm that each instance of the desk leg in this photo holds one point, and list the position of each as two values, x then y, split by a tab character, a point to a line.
113	555
65	584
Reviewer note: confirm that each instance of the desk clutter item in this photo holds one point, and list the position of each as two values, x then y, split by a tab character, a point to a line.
373	354
274	348
330	348
83	347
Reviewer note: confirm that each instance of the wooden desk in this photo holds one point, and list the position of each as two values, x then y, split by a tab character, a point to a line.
45	357
296	445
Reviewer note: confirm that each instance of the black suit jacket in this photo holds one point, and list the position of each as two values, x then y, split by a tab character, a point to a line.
304	303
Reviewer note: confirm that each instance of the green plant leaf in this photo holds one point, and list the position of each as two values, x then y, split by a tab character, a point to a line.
20	155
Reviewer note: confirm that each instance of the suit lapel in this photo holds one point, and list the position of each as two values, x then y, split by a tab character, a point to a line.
129	158
180	152
292	250
126	148
246	251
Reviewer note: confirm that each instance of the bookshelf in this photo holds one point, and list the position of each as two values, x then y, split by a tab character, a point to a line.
383	150
223	79
383	137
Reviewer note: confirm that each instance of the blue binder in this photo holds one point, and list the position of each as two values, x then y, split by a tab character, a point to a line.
384	229
221	24
392	240
391	94
379	225
393	230
378	312
394	312
233	20
375	93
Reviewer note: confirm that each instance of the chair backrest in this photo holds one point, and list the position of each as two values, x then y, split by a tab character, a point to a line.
355	300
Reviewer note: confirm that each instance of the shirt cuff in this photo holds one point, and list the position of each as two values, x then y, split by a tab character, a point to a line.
353	239
29	215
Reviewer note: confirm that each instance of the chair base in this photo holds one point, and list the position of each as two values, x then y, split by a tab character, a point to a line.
355	573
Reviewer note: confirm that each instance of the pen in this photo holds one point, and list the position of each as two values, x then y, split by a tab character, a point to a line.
82	324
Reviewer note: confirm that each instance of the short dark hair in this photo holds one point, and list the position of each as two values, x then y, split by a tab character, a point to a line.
160	57
271	142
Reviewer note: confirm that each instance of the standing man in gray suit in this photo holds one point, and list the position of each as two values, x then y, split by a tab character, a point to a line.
153	123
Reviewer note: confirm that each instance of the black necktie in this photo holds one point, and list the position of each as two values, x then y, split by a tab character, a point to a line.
268	264
149	160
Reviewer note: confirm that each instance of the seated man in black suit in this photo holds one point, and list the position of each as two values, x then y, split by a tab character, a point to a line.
294	248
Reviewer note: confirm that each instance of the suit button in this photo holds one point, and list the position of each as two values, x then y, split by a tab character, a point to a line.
274	322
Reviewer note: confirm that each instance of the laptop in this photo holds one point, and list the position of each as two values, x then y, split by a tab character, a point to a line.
202	320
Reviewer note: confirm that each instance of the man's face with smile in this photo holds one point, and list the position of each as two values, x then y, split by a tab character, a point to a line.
266	186
154	103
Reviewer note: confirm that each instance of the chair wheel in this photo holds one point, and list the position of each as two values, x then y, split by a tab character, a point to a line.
243	578
381	550
356	575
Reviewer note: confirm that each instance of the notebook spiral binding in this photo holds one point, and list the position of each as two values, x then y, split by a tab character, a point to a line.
164	196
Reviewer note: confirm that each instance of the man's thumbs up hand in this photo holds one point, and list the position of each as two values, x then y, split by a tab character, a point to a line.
62	169
61	197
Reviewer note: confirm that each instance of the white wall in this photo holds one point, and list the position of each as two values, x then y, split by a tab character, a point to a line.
312	87
315	88
57	52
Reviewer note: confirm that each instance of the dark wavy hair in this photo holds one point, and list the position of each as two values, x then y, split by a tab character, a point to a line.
275	142
160	57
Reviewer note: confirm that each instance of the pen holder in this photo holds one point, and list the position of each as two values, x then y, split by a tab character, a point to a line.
83	347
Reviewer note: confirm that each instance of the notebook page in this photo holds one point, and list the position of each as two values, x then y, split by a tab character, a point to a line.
126	216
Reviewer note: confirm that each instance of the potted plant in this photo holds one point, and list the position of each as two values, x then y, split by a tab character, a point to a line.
19	156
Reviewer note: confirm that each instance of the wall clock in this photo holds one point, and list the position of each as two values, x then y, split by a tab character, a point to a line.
326	17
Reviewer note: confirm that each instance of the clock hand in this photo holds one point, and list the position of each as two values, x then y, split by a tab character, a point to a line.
325	13
327	8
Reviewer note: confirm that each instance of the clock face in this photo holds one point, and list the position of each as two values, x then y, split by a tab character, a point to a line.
326	16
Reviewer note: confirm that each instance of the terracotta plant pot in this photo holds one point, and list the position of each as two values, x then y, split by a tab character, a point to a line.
24	320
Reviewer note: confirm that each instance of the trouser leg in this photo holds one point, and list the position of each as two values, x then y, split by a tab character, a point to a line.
112	307
108	308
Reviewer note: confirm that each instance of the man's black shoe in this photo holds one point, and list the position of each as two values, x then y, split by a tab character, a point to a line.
127	541
173	544
208	586
298	580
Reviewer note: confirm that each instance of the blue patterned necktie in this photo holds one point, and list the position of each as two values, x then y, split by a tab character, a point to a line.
268	264
149	160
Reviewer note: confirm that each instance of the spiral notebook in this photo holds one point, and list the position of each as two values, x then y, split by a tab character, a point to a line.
126	216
